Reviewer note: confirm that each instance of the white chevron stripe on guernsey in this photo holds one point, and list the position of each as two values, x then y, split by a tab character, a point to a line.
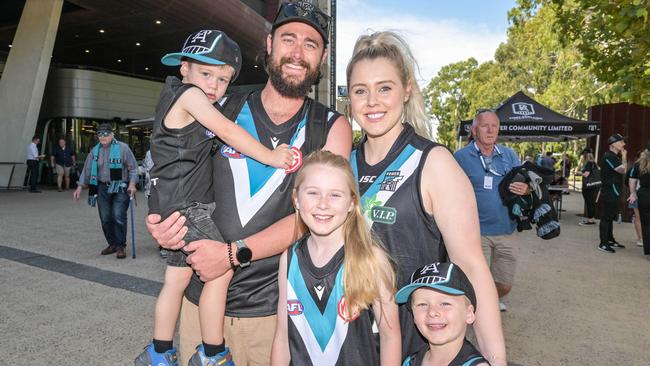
248	202
330	354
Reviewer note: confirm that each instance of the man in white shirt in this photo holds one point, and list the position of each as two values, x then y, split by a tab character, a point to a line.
32	163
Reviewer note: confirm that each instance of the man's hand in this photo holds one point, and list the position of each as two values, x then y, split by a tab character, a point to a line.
519	188
632	197
209	258
131	189
77	193
168	233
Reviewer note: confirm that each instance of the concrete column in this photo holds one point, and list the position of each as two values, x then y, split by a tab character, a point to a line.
23	81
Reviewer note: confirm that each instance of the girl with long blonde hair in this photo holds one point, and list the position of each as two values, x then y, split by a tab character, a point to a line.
336	280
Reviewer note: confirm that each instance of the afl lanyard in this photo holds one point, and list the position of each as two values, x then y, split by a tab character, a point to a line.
488	167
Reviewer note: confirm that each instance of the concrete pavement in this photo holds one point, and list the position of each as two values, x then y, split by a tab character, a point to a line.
64	304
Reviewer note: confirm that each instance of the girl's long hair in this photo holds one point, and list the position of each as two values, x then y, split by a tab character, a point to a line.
391	46
364	270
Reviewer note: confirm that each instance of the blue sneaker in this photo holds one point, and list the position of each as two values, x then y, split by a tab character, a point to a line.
221	359
149	357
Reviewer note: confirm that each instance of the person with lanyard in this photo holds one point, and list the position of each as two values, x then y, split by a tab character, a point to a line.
640	175
414	195
32	163
254	209
110	172
62	159
486	163
612	172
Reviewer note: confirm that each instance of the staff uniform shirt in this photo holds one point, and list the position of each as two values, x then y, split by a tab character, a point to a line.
129	165
63	156
612	180
493	215
589	166
32	151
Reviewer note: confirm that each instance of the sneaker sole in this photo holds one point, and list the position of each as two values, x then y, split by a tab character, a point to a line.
606	251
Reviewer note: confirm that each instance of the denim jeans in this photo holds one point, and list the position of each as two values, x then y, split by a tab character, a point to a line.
112	213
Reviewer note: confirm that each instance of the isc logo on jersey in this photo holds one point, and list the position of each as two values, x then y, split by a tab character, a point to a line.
231	153
294	307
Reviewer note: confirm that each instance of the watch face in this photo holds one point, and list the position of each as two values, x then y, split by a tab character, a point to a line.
244	255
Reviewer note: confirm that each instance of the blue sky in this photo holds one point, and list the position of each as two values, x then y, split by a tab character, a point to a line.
439	32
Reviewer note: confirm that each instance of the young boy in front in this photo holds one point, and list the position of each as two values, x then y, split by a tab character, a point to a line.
443	303
185	124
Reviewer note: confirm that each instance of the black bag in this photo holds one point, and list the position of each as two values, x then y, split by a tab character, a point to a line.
593	180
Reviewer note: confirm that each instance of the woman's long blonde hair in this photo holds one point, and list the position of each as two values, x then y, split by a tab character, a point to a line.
391	46
644	162
364	270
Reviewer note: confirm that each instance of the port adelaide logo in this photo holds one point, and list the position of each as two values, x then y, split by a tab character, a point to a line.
391	179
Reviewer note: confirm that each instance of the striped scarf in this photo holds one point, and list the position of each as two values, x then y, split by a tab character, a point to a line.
115	166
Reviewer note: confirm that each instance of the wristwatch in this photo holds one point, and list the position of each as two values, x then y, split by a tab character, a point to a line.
244	254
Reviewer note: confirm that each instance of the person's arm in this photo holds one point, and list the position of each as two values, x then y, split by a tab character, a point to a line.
132	168
211	261
632	185
449	196
619	166
339	139
52	159
84	176
198	106
387	315
280	351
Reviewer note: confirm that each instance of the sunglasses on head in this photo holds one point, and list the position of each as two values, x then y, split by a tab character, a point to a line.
315	16
104	134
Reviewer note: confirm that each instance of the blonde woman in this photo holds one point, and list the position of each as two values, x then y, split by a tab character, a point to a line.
640	173
417	199
587	167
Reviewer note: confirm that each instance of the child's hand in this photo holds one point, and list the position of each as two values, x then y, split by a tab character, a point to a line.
282	157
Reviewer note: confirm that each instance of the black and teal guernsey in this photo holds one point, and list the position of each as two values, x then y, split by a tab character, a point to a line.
251	196
182	169
392	205
467	356
317	328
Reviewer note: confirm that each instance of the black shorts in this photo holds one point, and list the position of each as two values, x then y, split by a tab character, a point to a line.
200	226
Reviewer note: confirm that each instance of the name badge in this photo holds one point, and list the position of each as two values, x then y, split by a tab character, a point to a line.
487	182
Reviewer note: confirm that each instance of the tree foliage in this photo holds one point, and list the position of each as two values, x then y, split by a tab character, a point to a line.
534	59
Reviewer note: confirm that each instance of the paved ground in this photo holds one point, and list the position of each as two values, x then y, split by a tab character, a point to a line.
64	304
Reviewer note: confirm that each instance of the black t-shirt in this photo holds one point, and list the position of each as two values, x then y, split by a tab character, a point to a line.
612	180
590	167
63	157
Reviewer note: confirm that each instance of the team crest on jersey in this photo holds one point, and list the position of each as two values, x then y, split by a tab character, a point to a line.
391	179
294	307
297	160
231	153
343	311
209	133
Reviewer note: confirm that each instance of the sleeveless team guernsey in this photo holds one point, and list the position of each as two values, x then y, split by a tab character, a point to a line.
392	205
251	196
182	169
317	329
467	356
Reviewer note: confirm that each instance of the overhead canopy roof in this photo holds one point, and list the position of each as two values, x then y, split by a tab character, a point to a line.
524	119
127	22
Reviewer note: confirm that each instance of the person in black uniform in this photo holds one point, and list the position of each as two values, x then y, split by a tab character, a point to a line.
255	214
640	173
414	194
589	192
612	173
442	301
185	125
336	281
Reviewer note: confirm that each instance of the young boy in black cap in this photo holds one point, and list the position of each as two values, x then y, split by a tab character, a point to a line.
186	121
443	303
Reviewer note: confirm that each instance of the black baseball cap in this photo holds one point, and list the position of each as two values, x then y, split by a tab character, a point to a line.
445	277
212	47
105	127
615	138
305	11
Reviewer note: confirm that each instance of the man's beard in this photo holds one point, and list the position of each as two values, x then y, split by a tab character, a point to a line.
287	88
